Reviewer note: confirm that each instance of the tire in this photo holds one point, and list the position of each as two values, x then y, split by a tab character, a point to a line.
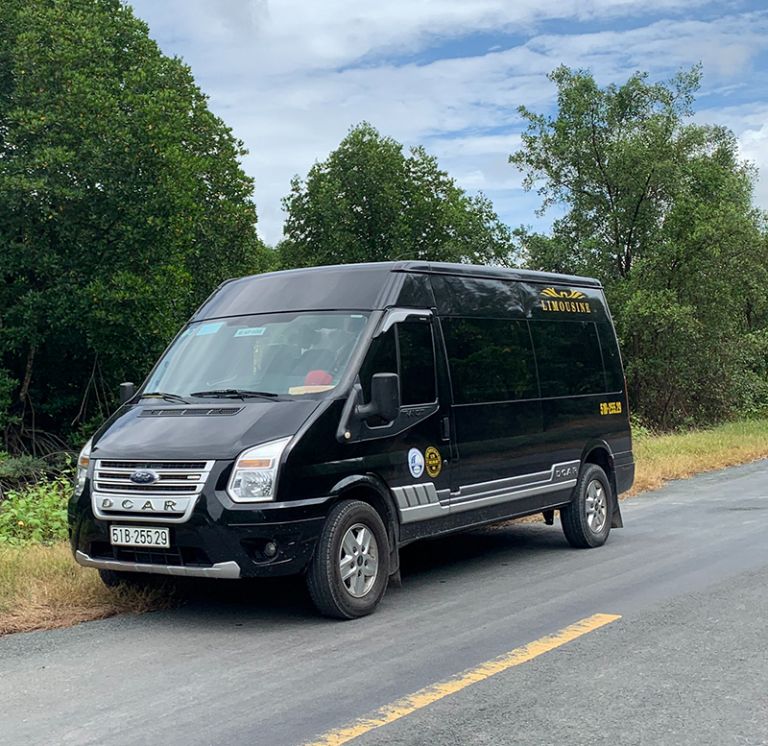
353	539
134	580
587	520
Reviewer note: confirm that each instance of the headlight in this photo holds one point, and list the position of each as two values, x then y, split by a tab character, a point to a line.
83	460
254	477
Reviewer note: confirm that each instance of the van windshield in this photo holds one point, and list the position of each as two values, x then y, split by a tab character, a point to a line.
290	354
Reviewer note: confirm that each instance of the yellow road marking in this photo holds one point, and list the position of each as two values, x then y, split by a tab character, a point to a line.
433	693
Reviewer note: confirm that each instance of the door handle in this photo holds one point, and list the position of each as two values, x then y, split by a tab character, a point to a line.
445	428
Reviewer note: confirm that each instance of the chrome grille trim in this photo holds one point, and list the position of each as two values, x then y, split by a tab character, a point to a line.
130	466
171	498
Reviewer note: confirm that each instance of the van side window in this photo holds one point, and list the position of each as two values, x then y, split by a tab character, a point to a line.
569	358
490	360
381	358
417	361
614	374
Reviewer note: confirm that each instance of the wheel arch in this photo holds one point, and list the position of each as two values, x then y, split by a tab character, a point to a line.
369	488
600	454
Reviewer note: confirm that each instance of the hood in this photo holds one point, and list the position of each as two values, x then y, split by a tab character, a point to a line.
198	431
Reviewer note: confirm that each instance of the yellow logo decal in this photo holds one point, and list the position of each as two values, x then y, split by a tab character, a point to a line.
610	407
570	294
434	461
567	301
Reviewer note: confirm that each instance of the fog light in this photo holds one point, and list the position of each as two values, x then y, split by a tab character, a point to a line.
270	549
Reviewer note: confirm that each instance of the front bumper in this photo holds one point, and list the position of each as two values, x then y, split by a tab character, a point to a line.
220	540
229	570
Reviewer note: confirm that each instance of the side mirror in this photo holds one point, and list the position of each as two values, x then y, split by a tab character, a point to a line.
127	391
385	398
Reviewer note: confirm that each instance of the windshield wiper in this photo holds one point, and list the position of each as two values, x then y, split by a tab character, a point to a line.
236	394
164	395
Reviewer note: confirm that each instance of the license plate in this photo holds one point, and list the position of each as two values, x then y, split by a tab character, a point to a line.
133	536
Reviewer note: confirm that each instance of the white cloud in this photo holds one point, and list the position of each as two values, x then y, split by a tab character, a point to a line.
287	35
291	76
725	45
750	125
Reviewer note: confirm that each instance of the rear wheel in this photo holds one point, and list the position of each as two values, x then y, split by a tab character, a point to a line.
587	520
348	573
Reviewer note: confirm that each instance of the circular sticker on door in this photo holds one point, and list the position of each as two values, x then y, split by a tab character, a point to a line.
434	461
415	462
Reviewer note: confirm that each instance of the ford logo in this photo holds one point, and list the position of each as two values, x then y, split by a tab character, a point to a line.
144	476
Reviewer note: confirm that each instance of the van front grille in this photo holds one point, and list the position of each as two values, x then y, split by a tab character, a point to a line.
147	490
169	478
175	465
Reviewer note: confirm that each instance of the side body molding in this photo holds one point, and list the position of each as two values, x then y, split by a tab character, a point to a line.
418	502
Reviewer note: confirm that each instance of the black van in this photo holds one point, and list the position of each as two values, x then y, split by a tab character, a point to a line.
316	420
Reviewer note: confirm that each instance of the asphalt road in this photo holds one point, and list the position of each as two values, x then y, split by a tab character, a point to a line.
250	664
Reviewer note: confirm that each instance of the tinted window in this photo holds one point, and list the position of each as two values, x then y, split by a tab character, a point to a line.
381	358
416	291
490	359
329	288
417	362
477	296
611	358
569	358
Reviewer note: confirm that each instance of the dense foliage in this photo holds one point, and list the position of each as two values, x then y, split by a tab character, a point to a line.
123	206
36	514
369	201
660	210
23	469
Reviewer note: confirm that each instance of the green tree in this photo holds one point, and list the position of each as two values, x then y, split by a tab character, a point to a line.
123	206
660	210
369	201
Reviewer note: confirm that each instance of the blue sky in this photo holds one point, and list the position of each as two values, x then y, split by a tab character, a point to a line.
292	76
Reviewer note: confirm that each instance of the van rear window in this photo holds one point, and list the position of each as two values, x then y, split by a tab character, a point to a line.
569	358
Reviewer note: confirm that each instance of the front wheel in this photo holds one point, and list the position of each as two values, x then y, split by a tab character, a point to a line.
587	520
348	573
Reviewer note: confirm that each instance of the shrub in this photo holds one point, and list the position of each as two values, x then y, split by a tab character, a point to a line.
18	471
36	514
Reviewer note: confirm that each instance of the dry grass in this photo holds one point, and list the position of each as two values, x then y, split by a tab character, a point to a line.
660	458
42	588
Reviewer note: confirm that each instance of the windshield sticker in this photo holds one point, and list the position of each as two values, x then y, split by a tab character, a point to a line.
415	462
209	328
299	390
251	331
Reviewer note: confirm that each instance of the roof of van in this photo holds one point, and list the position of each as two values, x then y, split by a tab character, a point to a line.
446	268
236	296
477	270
